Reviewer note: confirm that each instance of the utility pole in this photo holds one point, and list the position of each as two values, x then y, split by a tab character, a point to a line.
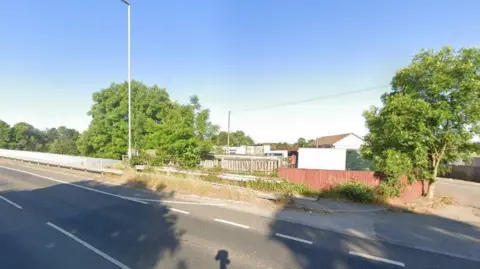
228	133
129	84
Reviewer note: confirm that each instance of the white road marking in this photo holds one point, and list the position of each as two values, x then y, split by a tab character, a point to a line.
177	202
180	211
294	238
375	258
10	202
90	247
232	223
75	185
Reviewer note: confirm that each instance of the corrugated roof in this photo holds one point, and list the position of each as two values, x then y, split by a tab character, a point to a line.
331	139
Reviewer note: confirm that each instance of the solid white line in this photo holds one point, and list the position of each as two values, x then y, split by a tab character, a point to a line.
294	238
75	185
90	247
367	256
10	202
232	223
180	211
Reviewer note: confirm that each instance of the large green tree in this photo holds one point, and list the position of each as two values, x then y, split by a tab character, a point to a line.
4	135
429	118
107	133
177	133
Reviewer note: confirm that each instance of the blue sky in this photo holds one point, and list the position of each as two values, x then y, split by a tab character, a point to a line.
234	54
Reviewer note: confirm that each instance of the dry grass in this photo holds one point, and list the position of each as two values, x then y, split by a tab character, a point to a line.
189	186
129	174
424	205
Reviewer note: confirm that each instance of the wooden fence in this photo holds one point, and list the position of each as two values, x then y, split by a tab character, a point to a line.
320	179
244	163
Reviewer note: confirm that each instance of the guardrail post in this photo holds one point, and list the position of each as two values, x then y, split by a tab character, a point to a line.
251	165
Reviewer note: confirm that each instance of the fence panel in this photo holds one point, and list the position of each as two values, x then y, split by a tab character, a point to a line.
243	163
320	179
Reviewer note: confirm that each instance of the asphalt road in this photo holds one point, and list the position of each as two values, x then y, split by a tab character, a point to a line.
49	220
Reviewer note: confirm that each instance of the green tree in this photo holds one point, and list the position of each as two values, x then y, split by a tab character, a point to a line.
25	137
311	143
237	138
107	134
282	145
429	118
178	134
4	135
62	140
301	142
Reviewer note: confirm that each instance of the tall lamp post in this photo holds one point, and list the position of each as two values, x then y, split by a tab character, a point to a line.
129	86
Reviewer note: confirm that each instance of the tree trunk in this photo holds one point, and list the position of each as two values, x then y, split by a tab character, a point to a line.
431	187
431	190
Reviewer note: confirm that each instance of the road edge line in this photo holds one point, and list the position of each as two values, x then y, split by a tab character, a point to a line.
75	185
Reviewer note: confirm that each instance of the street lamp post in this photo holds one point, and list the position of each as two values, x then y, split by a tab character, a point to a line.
129	86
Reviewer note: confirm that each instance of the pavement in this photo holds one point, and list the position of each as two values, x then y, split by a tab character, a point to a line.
54	220
465	192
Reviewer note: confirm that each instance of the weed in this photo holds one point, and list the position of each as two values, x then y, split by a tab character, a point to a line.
354	191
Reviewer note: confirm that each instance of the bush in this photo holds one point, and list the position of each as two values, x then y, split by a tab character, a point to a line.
355	191
140	159
388	189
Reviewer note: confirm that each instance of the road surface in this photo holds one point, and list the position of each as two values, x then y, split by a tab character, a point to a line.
50	220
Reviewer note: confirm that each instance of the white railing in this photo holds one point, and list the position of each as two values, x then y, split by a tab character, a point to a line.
58	159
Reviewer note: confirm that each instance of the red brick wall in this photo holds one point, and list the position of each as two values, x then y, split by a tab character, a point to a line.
320	179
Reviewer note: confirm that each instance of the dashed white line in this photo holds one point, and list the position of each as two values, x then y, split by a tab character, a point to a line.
375	258
180	211
10	202
75	185
90	247
294	238
232	223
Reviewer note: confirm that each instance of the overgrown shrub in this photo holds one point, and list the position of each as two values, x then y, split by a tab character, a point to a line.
355	191
140	159
389	189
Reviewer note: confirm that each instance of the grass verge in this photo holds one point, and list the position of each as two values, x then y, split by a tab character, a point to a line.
199	185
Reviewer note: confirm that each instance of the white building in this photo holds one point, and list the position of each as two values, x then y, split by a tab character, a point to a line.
341	141
322	158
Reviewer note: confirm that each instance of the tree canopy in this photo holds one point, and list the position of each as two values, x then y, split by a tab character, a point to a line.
429	118
4	135
23	136
237	138
301	142
177	133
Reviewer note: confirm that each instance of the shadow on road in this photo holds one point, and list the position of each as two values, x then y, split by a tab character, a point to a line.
222	258
137	235
391	231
